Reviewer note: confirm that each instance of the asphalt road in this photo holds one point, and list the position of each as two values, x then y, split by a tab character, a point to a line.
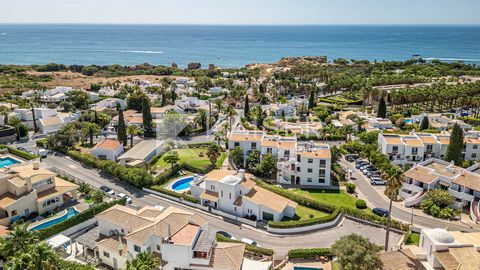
281	244
372	196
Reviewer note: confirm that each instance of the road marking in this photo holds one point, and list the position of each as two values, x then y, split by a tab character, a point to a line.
72	166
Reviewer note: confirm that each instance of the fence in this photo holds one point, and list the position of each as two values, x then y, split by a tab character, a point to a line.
314	227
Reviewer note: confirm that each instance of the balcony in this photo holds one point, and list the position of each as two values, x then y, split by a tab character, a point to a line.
461	195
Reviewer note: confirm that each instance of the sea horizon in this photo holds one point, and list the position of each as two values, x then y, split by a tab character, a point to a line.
231	45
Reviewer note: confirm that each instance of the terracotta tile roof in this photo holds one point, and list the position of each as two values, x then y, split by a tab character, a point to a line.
444	140
135	120
287	145
393	140
112	244
51	121
269	143
460	258
247	183
421	174
209	195
7	199
61	187
246	137
108	144
124	217
428	139
469	180
185	235
317	153
472	140
402	259
414	142
227	256
148	212
261	196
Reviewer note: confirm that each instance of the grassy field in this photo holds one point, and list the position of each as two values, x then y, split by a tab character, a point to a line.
189	155
412	238
335	197
304	213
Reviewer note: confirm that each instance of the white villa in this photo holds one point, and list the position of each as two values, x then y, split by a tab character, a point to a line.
140	154
299	163
107	150
416	147
462	184
109	103
180	239
235	193
441	122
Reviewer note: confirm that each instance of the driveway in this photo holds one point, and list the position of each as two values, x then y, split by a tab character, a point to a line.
375	199
281	244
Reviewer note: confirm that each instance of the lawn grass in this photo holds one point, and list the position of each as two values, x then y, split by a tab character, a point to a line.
412	238
304	213
331	196
188	155
89	201
220	160
336	266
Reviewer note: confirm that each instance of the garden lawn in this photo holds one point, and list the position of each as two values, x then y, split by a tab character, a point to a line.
304	213
331	196
188	155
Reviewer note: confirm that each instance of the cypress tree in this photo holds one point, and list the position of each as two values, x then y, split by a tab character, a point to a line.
164	100
147	118
311	100
382	108
174	96
425	124
121	129
455	147
246	109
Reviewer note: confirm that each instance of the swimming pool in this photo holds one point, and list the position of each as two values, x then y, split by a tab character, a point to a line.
70	213
182	184
408	121
7	161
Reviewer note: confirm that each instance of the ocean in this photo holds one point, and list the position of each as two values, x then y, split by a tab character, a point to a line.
230	46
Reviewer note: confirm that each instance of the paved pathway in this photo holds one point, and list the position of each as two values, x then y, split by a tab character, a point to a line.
374	197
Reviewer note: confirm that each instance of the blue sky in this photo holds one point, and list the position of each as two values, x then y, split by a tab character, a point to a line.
257	12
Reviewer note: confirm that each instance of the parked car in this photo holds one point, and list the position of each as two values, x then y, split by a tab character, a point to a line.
22	149
380	212
360	164
123	195
108	190
377	181
371	174
227	235
250	242
351	157
42	152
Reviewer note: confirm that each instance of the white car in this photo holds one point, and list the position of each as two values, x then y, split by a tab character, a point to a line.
377	181
42	152
123	195
250	242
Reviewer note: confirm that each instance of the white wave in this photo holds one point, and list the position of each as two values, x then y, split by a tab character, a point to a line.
453	59
147	52
3	34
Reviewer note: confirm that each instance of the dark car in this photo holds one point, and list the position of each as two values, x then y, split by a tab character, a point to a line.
226	234
351	158
360	164
22	149
381	212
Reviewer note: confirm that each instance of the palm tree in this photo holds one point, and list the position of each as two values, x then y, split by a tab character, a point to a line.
143	261
18	241
218	104
231	113
218	137
85	188
98	196
90	129
132	130
213	153
394	177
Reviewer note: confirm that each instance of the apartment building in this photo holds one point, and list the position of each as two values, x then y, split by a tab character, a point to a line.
462	184
299	163
235	193
27	189
416	147
180	239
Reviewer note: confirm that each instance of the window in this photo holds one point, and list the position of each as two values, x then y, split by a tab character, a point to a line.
221	193
269	150
323	163
137	248
395	149
158	247
321	180
475	146
254	145
106	254
42	184
14	213
429	147
321	173
236	144
474	155
414	150
230	195
310	170
310	160
212	187
309	180
235	208
287	153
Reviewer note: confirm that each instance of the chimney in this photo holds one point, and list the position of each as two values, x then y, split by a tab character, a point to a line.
169	234
242	173
36	165
120	246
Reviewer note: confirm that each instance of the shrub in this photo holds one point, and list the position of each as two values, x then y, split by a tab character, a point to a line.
351	187
77	219
19	153
251	249
360	204
303	223
440	198
309	253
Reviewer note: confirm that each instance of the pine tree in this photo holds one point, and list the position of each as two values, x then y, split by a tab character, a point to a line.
382	108
425	124
147	118
311	100
121	129
455	147
247	108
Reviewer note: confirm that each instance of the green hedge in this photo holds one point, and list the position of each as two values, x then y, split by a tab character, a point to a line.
302	223
134	176
309	253
41	142
19	153
325	207
251	249
172	193
77	219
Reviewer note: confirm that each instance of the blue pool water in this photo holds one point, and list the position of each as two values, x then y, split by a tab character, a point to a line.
70	213
408	121
305	268
7	161
182	184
